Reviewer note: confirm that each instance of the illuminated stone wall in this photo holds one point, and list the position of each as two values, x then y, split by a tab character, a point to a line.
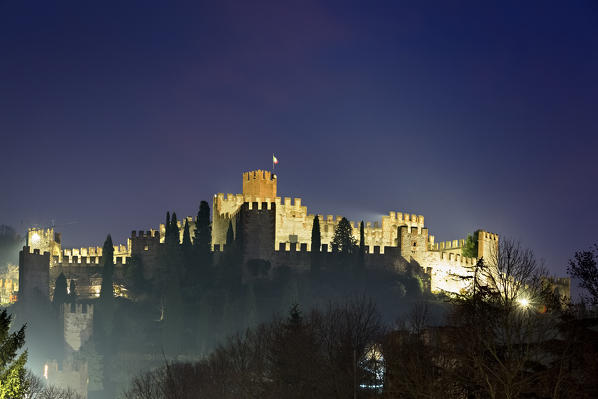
78	324
280	232
293	223
397	240
45	240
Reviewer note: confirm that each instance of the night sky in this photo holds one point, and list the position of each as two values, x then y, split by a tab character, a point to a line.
471	114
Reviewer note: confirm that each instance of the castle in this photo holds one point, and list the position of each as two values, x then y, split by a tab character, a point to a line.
275	230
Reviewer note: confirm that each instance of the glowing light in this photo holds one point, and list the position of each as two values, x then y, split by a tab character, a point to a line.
46	371
523	302
35	238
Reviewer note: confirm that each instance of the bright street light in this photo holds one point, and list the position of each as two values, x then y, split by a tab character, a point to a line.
523	302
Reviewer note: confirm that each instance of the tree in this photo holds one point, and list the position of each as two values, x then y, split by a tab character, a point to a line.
501	325
60	292
133	274
174	229
583	267
343	237
167	226
203	232
316	244
104	315
361	245
186	236
72	291
107	288
38	390
294	357
470	248
13	382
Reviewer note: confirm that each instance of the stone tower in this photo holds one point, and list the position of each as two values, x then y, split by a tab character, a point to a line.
34	273
78	324
45	240
260	184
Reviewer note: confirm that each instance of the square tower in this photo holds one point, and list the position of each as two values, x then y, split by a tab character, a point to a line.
260	184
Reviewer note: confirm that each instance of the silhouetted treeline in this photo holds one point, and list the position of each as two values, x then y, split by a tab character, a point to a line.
319	354
509	335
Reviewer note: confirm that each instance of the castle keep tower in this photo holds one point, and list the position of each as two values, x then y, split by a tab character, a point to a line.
260	184
34	273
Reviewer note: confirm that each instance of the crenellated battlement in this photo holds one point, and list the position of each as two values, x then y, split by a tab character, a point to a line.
290	203
153	233
90	256
326	248
404	218
71	261
487	235
84	252
260	205
457	259
413	230
258	175
229	204
444	245
78	308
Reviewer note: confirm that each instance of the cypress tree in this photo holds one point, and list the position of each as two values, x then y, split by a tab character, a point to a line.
316	244
174	225
105	314
316	237
107	290
202	239
186	236
361	245
167	226
60	292
202	244
171	276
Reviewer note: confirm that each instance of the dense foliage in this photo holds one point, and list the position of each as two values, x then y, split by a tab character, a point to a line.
584	267
13	384
470	247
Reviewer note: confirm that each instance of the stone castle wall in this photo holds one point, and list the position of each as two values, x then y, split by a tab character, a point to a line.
274	229
78	324
293	223
34	273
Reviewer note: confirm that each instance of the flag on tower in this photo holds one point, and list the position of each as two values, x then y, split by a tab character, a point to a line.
274	160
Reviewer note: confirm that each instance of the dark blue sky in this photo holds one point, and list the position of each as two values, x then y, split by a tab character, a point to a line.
476	115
